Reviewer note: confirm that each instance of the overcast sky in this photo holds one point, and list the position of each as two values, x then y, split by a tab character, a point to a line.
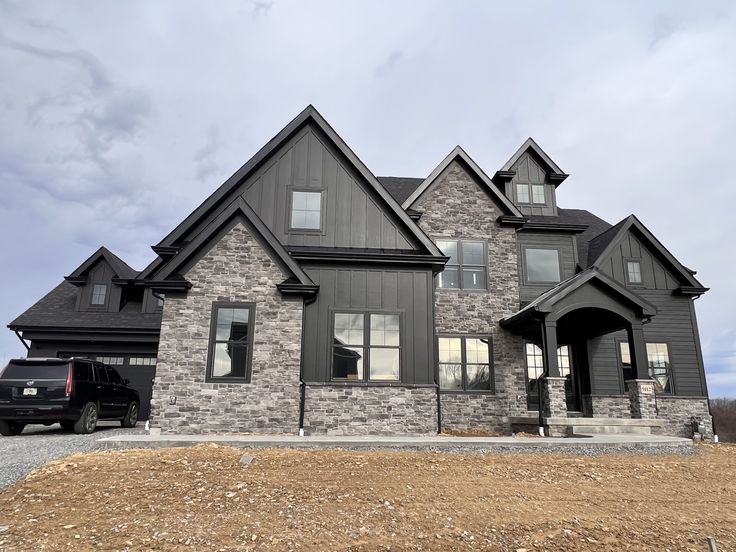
118	118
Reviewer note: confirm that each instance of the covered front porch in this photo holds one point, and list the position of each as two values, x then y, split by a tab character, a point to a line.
557	327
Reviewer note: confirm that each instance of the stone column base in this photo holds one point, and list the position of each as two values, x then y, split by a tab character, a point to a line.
641	396
553	397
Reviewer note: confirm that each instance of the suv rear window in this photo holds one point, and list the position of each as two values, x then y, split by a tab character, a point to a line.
36	370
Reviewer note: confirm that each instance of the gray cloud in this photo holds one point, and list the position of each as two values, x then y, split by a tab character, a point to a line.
119	118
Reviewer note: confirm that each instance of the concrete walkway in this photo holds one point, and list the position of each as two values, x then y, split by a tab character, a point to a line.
582	444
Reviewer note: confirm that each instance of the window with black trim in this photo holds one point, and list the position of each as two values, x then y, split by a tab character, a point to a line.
633	272
231	342
465	363
658	360
542	266
306	210
530	193
99	293
466	268
658	365
366	346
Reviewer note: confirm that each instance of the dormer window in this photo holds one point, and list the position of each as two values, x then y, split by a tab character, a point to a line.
306	210
633	272
530	193
99	293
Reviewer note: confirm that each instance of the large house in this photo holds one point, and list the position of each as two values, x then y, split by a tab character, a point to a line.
307	293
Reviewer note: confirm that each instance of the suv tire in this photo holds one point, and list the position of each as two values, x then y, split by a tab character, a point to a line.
11	428
87	422
131	417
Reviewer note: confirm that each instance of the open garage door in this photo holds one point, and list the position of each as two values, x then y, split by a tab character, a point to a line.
141	379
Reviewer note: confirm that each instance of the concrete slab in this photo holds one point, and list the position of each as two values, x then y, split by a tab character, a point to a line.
594	443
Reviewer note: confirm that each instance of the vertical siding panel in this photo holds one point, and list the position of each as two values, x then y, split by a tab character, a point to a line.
358	288
315	169
253	195
342	289
357	214
390	290
406	306
300	158
374	219
388	233
374	289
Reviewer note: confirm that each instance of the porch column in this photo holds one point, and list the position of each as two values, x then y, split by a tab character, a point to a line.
641	389
553	385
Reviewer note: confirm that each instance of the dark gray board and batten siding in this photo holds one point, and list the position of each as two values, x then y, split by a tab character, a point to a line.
673	324
565	244
530	171
408	292
352	215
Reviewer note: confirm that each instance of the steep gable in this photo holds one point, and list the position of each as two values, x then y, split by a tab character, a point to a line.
309	155
631	240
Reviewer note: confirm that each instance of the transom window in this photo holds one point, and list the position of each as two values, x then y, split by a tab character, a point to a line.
366	346
306	210
466	268
542	265
633	272
142	361
530	193
111	360
658	365
99	292
231	342
465	363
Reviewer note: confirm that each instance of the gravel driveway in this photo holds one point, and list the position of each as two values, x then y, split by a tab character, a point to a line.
39	444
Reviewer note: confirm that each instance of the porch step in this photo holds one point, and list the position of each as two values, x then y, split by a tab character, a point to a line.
594	426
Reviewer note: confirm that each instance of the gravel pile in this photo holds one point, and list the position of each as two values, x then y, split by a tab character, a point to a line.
39	444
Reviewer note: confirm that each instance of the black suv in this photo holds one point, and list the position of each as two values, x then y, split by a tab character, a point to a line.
75	392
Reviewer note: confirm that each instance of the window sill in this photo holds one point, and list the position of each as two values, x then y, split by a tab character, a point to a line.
457	290
466	392
358	383
228	381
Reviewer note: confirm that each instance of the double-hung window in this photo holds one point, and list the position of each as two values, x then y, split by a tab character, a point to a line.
231	342
530	193
366	346
306	210
466	268
99	293
633	272
465	363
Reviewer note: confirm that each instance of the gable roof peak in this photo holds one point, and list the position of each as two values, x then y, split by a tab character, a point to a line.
556	175
459	153
118	266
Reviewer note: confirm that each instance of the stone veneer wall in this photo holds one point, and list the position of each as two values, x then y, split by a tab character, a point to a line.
235	269
677	411
607	406
369	410
456	207
462	411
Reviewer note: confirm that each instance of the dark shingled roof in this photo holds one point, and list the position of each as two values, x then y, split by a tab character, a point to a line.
57	309
400	187
595	226
599	242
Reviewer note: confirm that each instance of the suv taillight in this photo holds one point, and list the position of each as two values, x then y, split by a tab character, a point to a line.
69	381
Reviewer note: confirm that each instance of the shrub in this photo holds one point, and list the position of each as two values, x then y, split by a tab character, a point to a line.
724	418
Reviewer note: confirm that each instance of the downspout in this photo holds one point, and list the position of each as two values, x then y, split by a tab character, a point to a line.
302	386
23	341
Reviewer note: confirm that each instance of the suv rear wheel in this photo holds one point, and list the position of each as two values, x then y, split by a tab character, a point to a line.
87	422
11	428
131	417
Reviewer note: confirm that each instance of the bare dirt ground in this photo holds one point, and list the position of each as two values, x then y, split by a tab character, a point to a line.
203	498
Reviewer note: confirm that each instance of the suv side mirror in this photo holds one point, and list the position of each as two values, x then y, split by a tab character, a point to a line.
126	381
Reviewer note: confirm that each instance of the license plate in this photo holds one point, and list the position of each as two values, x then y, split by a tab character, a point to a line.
30	391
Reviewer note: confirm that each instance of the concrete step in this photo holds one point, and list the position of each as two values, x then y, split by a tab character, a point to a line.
594	426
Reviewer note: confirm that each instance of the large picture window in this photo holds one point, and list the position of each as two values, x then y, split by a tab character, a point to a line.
466	268
231	342
366	346
542	265
465	363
